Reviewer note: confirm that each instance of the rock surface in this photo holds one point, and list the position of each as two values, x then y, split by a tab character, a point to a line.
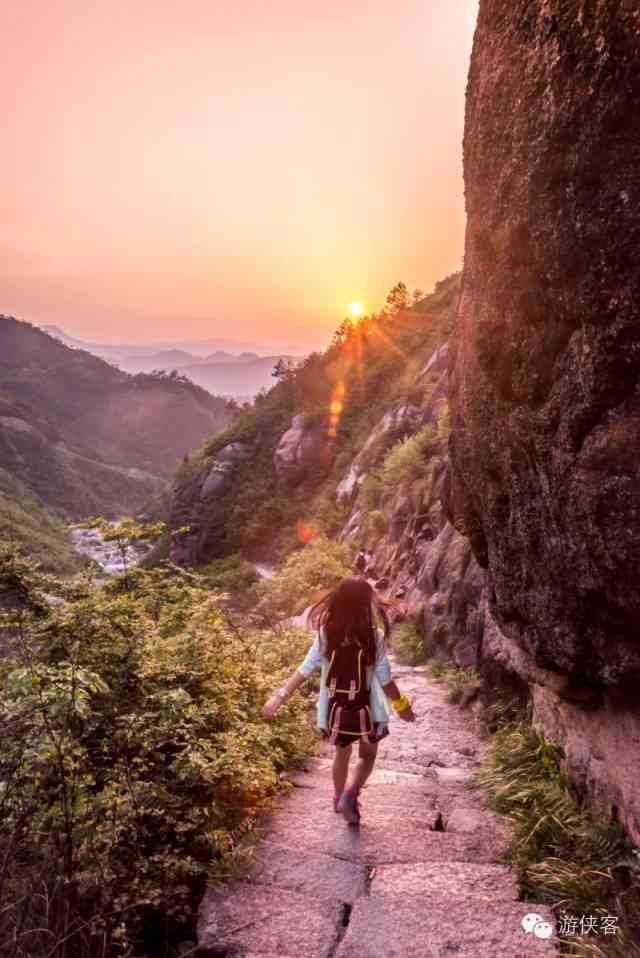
393	887
545	367
195	519
302	448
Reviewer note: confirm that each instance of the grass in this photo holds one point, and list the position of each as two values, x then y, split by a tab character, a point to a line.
570	857
458	681
408	644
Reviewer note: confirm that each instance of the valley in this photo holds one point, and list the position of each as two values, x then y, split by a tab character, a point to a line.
180	518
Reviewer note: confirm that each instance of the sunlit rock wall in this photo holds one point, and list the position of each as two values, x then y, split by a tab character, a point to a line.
545	365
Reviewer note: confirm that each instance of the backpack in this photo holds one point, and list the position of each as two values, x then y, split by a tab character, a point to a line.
349	711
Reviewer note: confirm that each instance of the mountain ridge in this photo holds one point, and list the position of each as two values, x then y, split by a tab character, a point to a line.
84	436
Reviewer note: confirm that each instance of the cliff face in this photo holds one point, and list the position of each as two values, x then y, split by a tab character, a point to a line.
545	363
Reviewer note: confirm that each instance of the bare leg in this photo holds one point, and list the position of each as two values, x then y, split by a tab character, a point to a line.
366	761
341	767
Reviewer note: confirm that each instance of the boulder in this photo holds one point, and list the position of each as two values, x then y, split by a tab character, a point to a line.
301	449
218	479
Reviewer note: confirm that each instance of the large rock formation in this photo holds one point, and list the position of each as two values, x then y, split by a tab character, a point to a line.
545	366
303	449
197	512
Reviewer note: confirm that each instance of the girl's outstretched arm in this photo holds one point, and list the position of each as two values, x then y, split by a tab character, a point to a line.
284	693
392	690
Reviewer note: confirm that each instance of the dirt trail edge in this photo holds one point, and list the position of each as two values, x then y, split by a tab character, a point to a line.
420	878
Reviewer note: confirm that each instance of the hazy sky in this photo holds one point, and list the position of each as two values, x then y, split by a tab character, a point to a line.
226	167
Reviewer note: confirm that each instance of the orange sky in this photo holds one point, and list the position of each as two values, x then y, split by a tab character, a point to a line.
175	170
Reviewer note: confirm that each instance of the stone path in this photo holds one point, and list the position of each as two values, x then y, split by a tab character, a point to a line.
420	878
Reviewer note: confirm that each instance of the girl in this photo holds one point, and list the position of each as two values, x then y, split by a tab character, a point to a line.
354	683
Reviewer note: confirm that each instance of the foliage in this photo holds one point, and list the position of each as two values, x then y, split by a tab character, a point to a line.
235	577
444	423
571	857
320	565
408	644
371	364
126	534
408	459
39	533
378	521
136	759
371	491
459	682
85	436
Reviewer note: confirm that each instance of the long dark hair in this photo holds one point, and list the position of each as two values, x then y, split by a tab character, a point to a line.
350	611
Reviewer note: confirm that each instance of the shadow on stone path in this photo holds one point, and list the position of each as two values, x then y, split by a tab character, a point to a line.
397	887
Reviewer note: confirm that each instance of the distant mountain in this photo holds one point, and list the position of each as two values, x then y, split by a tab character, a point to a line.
245	376
198	348
166	359
237	374
85	437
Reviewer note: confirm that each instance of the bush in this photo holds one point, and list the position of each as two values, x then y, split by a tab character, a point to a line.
319	565
370	492
407	459
408	644
232	575
136	760
378	522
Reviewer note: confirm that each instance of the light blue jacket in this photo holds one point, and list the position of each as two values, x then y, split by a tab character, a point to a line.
378	675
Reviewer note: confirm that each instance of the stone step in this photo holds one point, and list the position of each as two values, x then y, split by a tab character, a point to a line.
267	920
312	874
430	926
440	879
384	837
410	803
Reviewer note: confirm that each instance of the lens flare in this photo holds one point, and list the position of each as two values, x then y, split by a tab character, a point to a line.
336	406
356	309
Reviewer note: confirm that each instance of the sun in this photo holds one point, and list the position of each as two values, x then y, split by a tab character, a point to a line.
356	309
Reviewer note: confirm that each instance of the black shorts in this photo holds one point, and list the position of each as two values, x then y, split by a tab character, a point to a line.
380	730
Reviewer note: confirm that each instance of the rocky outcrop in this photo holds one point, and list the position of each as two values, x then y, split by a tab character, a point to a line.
395	424
196	520
301	450
545	369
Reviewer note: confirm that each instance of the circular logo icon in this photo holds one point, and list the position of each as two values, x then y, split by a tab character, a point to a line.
543	930
530	921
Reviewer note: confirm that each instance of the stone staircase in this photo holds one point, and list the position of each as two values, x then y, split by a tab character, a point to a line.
421	878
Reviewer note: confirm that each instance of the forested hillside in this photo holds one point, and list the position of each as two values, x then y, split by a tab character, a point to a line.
268	483
86	438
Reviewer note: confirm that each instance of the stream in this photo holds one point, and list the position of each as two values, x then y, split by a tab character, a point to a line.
89	542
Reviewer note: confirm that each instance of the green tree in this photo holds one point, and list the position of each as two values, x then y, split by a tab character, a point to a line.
397	299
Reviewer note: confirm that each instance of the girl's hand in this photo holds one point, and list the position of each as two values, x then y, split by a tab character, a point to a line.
407	716
272	706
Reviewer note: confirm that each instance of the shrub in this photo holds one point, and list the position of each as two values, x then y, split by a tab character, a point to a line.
408	644
378	521
232	575
136	759
319	565
370	492
407	459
